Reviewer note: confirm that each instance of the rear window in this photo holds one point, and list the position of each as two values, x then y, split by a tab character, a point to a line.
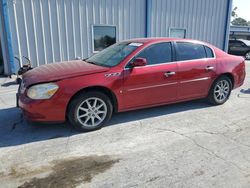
189	51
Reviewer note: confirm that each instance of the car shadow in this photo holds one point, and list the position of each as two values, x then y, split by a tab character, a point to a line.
245	91
14	130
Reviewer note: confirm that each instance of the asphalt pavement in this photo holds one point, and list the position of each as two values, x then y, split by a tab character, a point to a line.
190	144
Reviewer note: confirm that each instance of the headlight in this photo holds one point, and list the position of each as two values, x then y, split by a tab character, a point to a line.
42	91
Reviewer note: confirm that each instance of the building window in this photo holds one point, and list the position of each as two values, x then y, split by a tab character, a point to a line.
103	36
177	33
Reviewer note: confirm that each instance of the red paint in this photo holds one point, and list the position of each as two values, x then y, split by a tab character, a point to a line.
134	88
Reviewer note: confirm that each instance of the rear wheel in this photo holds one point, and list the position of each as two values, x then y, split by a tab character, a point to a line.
220	91
90	111
247	55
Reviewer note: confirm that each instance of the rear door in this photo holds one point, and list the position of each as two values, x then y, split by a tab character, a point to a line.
197	68
154	83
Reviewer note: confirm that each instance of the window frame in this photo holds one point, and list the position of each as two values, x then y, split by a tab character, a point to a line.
204	45
212	50
150	45
175	28
92	34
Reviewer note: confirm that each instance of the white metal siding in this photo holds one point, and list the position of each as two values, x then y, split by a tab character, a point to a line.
203	19
56	30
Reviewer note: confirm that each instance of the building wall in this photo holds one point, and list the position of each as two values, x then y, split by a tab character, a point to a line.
240	32
4	41
203	19
59	30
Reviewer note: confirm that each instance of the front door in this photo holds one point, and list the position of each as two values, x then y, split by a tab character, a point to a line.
154	83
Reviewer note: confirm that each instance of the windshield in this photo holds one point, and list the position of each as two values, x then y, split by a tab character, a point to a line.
114	54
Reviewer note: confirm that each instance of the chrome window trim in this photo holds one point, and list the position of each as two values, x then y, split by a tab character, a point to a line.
127	68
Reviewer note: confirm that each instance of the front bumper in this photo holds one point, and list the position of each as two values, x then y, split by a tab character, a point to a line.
50	110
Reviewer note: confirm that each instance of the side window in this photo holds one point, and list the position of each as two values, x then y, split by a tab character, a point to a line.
188	51
157	53
242	44
209	52
238	44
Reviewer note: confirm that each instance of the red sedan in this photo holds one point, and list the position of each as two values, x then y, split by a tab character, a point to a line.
129	75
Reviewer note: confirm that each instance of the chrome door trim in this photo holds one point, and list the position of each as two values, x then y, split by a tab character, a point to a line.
152	86
195	80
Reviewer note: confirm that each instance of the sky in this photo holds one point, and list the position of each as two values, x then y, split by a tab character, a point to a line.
243	8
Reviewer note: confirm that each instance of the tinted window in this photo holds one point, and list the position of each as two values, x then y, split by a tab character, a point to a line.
157	53
236	43
104	36
189	51
209	52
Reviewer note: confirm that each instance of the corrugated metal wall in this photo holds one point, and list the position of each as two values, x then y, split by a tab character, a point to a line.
56	30
203	19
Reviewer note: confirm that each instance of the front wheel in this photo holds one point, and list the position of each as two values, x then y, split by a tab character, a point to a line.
90	111
220	91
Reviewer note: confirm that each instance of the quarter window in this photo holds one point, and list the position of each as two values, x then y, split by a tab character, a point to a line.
209	52
189	51
157	53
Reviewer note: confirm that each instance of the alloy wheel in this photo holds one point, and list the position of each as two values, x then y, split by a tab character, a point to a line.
247	55
91	112
222	90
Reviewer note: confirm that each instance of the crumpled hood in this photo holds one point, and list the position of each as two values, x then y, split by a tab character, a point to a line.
60	70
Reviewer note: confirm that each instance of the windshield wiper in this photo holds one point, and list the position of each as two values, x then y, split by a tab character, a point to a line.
91	62
94	63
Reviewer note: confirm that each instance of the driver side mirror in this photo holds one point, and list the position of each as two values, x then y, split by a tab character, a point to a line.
139	62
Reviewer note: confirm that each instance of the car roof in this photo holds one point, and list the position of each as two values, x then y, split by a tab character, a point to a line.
247	42
162	39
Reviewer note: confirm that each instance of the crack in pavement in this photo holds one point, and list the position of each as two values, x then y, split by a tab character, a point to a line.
204	148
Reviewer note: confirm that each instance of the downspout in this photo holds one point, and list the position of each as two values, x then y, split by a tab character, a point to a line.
148	8
7	39
227	25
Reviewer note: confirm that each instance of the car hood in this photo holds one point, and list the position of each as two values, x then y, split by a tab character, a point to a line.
61	70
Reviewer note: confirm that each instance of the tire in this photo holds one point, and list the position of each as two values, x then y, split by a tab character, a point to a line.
217	96
247	55
89	111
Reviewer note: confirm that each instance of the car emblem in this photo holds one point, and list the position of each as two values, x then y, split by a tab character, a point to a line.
113	74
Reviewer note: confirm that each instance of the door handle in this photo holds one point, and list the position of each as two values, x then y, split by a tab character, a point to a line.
169	73
208	68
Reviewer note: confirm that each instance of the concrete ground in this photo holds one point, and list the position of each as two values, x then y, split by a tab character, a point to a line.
190	144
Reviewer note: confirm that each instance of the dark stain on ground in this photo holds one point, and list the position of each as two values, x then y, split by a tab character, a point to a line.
72	172
198	173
